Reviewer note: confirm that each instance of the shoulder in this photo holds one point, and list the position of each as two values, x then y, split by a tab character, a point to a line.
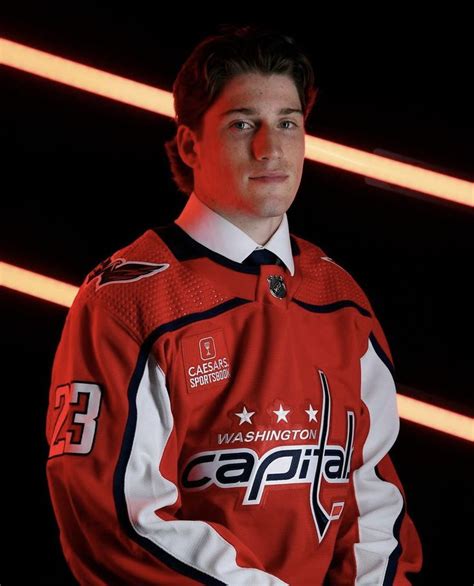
326	281
123	282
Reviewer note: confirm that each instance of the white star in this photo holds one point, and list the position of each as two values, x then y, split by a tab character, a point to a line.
312	413
281	413
245	415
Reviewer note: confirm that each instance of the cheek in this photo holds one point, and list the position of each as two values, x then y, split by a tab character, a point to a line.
231	163
300	155
300	146
224	170
220	155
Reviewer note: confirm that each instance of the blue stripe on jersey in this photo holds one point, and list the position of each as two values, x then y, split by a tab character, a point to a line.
381	354
119	475
329	307
395	555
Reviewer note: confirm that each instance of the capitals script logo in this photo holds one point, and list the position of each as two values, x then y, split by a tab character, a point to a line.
120	270
313	464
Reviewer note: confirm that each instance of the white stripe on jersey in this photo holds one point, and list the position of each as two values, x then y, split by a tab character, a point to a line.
379	502
195	543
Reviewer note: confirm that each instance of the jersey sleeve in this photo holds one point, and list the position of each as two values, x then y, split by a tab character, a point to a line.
112	469
377	542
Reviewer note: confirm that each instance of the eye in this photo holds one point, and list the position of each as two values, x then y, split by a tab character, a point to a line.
239	122
290	122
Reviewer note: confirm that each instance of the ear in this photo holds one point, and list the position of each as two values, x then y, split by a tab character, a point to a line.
188	147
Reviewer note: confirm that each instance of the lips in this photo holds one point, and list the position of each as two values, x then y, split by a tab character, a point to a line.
279	178
271	175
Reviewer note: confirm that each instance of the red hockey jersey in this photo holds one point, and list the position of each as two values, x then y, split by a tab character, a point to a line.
216	423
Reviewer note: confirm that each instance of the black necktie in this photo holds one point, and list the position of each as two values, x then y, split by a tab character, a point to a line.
262	256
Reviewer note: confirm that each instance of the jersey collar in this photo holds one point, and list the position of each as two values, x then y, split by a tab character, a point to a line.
220	235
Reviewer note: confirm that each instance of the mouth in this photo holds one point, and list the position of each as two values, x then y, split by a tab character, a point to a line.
270	178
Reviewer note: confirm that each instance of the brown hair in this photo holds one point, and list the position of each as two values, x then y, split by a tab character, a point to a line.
218	58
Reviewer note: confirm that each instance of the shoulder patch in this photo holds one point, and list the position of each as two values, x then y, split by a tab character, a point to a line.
119	270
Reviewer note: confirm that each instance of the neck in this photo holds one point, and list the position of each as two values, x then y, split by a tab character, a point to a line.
259	229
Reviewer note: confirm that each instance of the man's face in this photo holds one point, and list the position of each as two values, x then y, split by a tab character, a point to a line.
238	150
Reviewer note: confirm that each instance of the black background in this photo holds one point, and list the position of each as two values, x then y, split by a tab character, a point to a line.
84	175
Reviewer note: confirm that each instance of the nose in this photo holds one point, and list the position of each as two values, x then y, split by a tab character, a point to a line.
267	144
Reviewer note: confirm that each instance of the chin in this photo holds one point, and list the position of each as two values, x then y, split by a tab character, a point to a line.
271	209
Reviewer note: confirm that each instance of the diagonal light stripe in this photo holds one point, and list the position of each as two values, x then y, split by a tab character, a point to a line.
86	78
36	285
161	102
435	417
410	409
390	171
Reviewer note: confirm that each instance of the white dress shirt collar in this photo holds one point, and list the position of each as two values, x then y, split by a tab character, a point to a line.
219	234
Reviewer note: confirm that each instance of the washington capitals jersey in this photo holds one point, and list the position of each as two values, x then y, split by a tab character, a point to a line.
216	423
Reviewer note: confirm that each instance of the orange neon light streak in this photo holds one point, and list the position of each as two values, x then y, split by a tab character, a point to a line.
37	285
410	409
390	171
436	417
161	102
86	78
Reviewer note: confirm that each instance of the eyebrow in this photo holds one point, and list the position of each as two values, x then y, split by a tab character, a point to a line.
252	112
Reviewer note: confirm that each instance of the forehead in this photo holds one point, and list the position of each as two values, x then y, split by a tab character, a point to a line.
258	91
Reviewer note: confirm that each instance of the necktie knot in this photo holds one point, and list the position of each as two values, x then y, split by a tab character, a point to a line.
262	256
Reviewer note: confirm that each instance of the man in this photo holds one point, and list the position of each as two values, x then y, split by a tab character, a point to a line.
222	398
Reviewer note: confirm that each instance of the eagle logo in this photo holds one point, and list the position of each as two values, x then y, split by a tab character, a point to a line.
120	270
